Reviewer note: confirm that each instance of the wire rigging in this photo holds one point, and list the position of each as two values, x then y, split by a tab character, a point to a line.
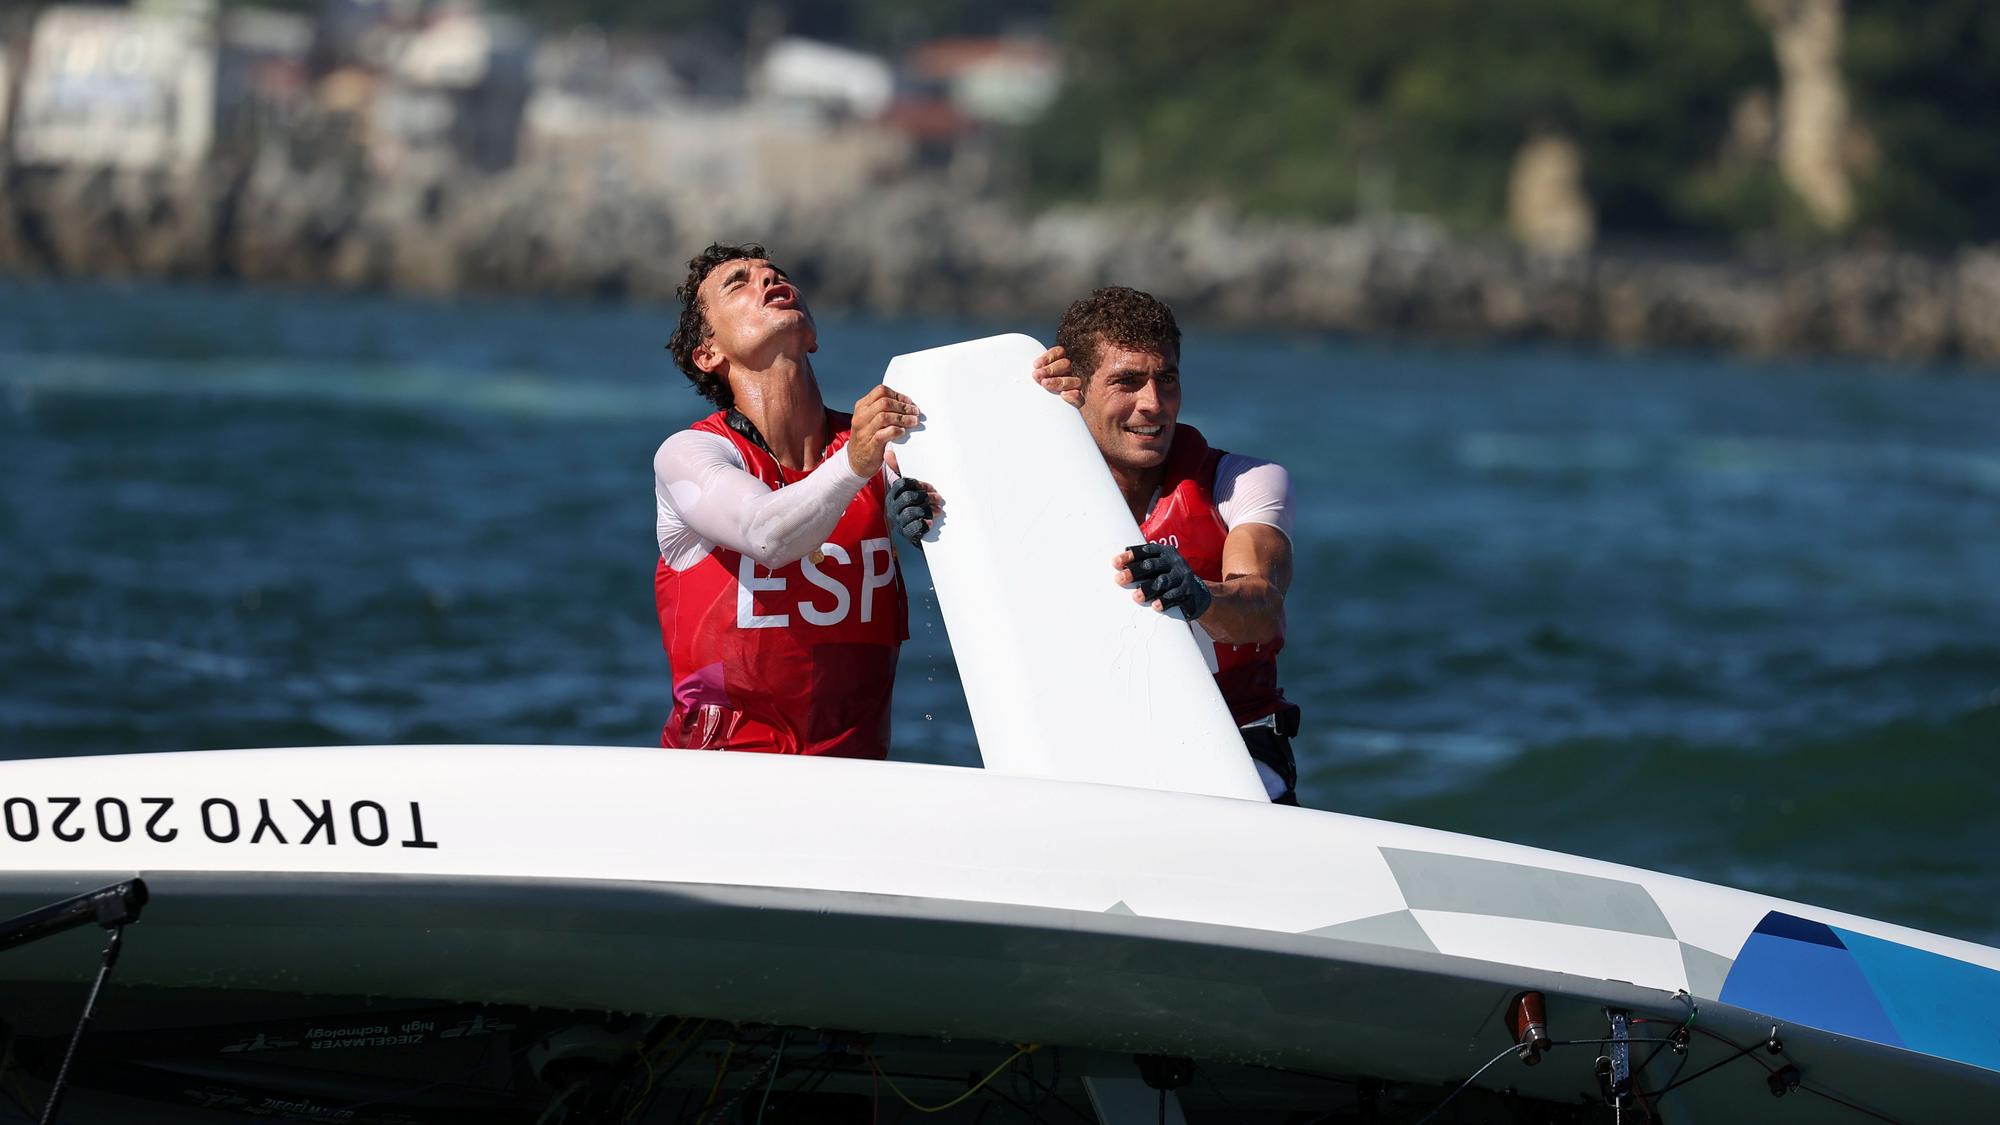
1023	1049
777	1064
1449	1098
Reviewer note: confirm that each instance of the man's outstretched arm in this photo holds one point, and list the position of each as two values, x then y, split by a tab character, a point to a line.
1249	604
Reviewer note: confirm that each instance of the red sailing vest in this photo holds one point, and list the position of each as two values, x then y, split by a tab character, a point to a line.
1185	518
797	660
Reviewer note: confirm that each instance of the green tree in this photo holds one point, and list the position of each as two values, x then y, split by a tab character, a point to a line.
1309	107
1926	87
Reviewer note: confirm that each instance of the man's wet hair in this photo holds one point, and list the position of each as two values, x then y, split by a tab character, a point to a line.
1121	317
694	326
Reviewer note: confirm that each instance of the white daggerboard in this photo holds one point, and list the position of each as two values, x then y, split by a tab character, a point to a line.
1065	675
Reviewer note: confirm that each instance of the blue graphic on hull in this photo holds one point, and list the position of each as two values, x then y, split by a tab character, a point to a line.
1882	991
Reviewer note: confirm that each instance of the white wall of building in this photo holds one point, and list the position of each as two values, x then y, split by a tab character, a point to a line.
1011	88
756	156
106	86
853	82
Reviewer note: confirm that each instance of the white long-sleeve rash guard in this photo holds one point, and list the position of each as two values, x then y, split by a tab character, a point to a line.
1253	490
705	496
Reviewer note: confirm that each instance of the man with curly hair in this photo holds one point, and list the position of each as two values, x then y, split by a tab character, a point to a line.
780	604
1217	525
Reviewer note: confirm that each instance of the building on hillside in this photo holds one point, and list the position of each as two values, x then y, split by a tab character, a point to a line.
1010	81
264	72
652	118
451	94
839	82
107	86
587	72
957	97
595	106
754	154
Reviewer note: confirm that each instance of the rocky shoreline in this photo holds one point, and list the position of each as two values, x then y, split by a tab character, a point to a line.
915	248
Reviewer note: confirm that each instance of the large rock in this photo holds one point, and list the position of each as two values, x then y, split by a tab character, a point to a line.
1812	106
1547	208
1976	315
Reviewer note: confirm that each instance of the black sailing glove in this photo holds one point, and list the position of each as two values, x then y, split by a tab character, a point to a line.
910	509
1164	576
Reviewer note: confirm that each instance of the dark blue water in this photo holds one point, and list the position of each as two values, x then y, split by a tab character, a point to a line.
1737	622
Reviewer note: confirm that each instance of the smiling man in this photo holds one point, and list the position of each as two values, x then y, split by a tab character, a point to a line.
1217	524
780	604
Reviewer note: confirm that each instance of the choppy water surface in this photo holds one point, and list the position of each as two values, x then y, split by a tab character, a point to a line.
1737	622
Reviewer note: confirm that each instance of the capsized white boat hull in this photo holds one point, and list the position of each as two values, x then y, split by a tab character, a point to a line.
934	901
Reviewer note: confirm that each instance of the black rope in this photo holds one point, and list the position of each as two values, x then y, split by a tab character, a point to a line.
1678	1067
1512	1048
104	967
1490	1063
1654	1054
1740	1052
1768	1069
1850	1105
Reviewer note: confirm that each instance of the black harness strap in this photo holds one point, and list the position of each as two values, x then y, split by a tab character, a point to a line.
734	419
